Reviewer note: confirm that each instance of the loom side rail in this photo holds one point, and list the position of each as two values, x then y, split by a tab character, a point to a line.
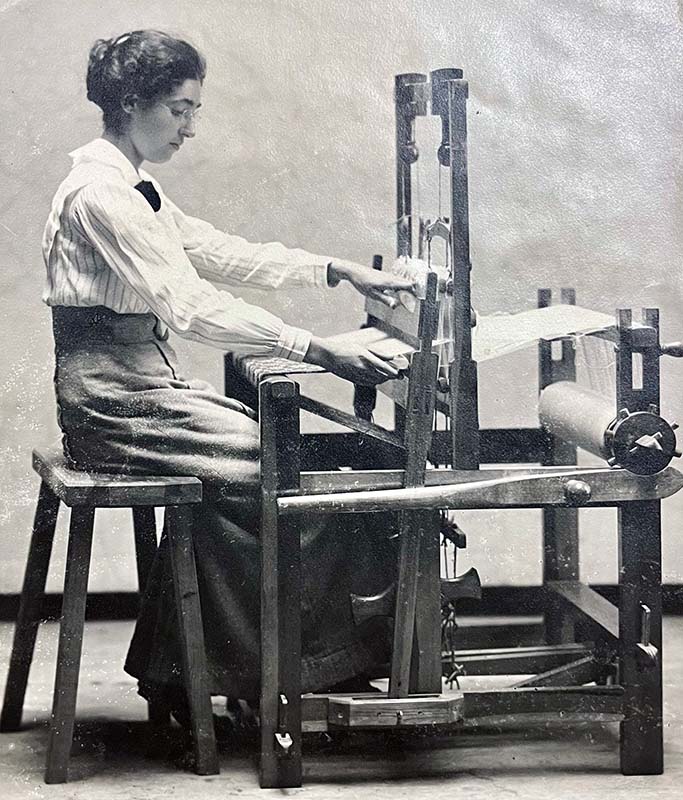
566	488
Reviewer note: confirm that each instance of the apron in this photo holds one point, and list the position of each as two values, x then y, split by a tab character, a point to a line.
122	407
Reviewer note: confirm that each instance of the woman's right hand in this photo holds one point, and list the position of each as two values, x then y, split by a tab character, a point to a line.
350	361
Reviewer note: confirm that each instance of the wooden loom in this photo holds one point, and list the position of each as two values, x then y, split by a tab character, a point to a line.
614	671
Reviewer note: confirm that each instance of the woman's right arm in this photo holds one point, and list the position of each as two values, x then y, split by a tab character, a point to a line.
350	361
119	223
150	260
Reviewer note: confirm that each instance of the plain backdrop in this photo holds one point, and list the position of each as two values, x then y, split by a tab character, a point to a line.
574	167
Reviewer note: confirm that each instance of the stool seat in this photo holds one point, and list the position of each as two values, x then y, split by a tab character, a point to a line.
84	493
76	488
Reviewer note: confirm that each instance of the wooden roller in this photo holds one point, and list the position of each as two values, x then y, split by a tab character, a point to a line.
641	441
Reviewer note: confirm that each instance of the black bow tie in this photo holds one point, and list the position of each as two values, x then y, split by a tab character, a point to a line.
147	190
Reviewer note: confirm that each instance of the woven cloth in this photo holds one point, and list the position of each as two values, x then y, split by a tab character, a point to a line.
493	336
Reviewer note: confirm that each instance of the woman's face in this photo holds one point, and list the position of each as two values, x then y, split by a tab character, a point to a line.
158	131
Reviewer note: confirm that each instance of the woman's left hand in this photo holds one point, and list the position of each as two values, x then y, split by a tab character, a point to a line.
382	286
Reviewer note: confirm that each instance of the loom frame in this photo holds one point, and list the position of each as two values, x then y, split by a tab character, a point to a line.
588	640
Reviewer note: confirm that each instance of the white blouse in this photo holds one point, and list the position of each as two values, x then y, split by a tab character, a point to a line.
104	245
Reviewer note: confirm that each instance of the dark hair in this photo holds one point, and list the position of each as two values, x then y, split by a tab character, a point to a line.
147	63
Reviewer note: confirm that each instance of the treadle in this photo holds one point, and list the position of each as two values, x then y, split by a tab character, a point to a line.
380	711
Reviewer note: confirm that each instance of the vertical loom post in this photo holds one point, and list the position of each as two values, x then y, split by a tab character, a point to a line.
463	370
425	671
416	656
640	573
410	101
280	710
560	525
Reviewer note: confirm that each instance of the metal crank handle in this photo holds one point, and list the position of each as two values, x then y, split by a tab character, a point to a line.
674	349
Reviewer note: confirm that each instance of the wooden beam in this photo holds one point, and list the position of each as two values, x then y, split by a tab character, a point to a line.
516	660
589	603
591	701
336	480
585	487
349	421
584	670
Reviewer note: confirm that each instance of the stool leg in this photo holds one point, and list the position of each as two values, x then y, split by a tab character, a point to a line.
70	643
29	608
178	525
145	527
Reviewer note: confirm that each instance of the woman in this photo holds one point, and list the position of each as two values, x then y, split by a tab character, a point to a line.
124	264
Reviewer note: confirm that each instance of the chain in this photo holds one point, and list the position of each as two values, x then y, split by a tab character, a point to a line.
449	627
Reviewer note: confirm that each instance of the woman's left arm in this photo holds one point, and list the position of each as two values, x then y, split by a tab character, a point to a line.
225	258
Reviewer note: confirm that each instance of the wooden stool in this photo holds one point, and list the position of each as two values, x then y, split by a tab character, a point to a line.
84	492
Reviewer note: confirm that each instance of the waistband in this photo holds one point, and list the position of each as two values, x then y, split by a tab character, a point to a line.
73	324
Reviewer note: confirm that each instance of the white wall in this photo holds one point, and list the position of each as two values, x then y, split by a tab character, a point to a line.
574	130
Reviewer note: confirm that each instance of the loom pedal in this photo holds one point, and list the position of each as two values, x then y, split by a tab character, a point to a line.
380	711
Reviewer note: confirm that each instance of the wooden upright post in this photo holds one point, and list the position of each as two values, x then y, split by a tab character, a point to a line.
640	638
640	575
416	657
464	390
560	525
280	712
410	100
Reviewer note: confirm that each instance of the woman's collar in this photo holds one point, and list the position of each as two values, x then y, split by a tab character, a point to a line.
101	151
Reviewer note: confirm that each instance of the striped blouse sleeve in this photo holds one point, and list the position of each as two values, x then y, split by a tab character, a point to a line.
118	222
225	258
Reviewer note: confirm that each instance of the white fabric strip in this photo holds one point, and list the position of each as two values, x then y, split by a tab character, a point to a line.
499	334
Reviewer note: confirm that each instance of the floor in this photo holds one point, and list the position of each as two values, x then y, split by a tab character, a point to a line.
115	757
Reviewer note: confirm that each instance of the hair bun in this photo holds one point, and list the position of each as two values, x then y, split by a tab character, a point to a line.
96	61
99	50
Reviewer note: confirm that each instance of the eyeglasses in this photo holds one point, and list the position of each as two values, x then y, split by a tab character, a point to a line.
188	114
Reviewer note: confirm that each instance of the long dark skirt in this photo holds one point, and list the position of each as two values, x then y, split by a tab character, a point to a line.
123	408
